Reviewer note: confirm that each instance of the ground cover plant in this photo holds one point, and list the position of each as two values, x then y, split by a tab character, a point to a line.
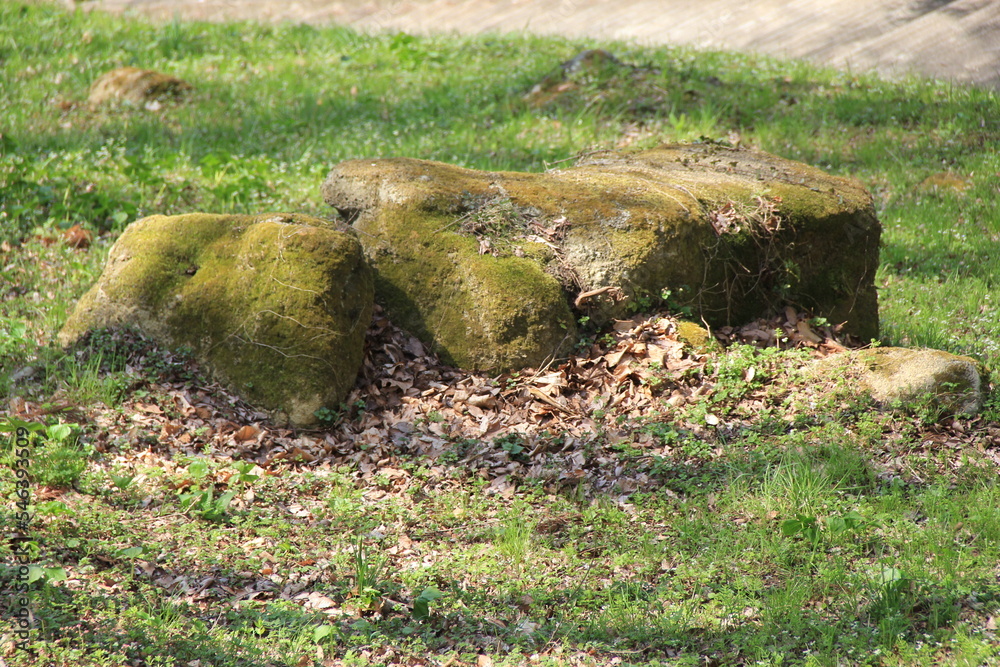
658	499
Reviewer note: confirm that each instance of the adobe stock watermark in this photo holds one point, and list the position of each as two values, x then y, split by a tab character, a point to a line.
18	595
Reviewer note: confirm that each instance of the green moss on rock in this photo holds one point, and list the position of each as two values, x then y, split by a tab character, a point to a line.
477	311
275	305
822	256
697	337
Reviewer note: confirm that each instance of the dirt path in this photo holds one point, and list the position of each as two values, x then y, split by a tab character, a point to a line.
949	39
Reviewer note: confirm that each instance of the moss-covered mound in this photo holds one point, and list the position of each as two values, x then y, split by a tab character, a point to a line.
135	85
904	376
490	266
275	305
932	383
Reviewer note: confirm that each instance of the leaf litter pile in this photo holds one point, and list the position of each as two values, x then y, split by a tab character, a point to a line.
595	424
559	425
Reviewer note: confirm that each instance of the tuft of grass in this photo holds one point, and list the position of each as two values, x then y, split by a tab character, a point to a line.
513	539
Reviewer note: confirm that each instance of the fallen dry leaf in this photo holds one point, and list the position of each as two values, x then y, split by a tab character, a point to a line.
77	237
245	433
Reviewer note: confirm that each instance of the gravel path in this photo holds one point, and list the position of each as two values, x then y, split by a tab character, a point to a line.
956	40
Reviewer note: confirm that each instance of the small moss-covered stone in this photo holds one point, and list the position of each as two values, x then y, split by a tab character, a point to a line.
276	306
738	233
697	337
904	376
135	85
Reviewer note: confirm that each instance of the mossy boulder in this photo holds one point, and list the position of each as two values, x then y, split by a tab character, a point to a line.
276	306
477	311
493	268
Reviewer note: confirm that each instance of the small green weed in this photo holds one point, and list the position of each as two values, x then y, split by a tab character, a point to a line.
514	445
329	417
457	451
14	340
811	527
62	459
97	379
369	569
122	482
54	455
199	496
421	603
205	504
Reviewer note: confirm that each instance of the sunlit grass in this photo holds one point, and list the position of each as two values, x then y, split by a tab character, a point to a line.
890	565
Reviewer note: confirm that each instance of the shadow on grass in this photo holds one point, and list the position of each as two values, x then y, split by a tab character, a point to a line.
639	616
143	628
618	618
940	261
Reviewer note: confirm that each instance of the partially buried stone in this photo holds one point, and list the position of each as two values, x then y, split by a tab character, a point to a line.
276	306
139	86
907	379
900	376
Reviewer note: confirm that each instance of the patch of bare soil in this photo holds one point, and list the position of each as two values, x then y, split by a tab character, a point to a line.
948	39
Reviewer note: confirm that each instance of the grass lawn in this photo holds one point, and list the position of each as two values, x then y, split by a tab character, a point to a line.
747	514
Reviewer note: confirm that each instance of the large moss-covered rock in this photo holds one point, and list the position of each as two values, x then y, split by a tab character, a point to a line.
494	267
478	311
275	305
